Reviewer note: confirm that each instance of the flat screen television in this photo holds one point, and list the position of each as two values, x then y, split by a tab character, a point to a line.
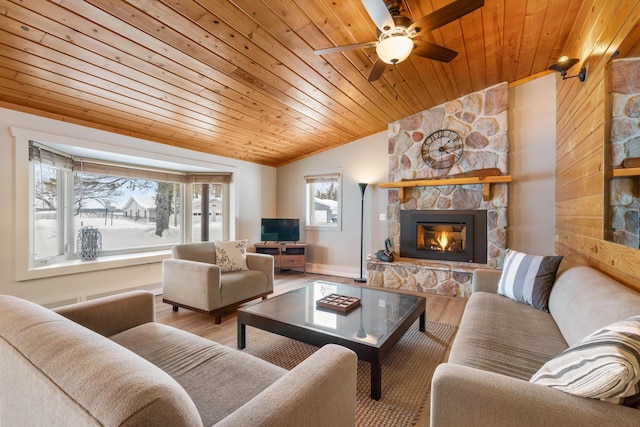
280	230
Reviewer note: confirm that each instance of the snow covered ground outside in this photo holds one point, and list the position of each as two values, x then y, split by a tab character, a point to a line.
120	233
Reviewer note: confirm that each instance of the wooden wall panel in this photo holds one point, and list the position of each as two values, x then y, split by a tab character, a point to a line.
588	206
582	143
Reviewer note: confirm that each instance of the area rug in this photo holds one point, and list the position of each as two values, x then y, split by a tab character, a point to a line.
406	371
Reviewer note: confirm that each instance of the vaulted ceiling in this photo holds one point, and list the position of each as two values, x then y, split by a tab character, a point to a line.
240	78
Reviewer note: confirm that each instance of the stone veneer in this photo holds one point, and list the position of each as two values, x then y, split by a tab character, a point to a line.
625	143
480	119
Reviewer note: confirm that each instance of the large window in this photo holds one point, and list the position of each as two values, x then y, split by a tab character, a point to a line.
134	209
323	200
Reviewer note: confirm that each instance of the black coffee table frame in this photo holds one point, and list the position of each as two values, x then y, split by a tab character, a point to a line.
374	354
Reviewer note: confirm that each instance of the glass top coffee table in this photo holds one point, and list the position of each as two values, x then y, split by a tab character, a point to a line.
370	330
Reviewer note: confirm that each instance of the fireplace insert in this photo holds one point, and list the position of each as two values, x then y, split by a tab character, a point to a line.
448	235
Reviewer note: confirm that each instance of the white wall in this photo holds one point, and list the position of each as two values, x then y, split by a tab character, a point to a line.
532	162
338	252
253	196
531	194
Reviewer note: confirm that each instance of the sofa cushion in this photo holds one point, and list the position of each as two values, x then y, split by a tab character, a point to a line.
528	278
218	379
200	252
584	300
72	376
504	336
604	365
232	255
242	285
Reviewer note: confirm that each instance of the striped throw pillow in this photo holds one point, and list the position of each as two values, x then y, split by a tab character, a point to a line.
528	278
605	365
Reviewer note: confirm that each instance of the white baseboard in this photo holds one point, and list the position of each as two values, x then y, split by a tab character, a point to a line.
333	270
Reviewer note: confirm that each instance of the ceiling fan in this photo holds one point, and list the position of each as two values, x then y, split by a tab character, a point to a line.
396	33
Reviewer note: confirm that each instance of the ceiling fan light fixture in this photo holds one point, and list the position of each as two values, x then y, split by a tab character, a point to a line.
394	49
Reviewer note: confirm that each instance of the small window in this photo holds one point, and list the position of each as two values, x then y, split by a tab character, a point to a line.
323	201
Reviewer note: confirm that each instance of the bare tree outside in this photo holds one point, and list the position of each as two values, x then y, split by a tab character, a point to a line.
164	200
103	189
327	192
46	187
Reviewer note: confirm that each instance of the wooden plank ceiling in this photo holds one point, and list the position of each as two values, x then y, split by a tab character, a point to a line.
240	78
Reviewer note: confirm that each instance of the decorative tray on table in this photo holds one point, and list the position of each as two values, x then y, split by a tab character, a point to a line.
340	303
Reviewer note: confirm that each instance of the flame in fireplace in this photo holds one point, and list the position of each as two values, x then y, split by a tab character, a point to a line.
443	239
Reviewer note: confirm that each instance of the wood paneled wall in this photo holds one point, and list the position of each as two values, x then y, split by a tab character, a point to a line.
582	153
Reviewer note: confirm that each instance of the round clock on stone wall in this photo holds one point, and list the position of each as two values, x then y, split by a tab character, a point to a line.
442	149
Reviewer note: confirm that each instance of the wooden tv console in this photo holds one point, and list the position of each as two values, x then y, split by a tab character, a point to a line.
285	255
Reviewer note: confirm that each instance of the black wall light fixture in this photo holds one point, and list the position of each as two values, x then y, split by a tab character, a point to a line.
564	63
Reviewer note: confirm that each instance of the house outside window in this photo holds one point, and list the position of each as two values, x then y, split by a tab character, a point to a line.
324	200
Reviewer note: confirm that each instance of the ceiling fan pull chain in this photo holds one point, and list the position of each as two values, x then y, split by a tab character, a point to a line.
395	78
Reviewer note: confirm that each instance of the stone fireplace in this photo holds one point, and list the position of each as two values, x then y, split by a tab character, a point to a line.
480	119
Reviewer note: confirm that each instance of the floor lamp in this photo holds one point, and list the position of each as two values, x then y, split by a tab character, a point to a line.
363	187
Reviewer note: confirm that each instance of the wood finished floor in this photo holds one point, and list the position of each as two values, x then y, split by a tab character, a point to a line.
439	309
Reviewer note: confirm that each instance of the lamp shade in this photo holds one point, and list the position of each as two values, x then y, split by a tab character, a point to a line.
363	187
563	64
394	49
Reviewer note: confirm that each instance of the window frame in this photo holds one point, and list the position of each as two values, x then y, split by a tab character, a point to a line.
62	199
26	269
310	178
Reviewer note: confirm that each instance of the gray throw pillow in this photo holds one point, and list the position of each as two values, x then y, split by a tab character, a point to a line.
528	278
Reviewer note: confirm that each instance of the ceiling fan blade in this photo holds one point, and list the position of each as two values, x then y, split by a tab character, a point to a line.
376	71
445	14
433	51
379	14
345	47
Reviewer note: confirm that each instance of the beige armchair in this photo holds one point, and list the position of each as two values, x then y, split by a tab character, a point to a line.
192	280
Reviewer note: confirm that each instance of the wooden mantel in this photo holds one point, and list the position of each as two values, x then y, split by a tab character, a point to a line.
629	173
618	172
486	182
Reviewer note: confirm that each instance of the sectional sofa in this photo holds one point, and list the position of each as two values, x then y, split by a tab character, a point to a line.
502	343
106	362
